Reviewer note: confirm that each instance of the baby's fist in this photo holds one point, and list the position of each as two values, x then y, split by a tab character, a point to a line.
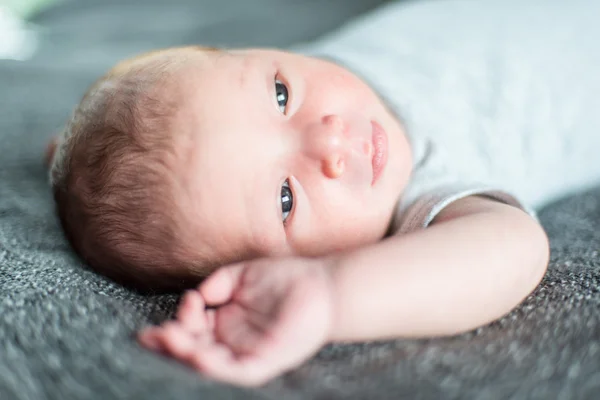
270	316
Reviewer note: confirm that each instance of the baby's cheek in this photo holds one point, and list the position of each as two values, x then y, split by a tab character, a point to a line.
341	80
356	95
314	236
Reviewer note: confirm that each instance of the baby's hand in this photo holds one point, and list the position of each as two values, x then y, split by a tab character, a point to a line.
270	315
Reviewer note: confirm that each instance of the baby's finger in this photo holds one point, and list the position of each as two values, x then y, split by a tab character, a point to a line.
152	339
182	345
219	287
191	312
210	319
219	363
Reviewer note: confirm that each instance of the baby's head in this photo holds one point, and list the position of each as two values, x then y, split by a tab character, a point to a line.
179	161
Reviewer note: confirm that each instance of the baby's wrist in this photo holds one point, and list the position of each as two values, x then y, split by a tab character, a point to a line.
332	266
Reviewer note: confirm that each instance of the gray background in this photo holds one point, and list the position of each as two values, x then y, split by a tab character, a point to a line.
67	333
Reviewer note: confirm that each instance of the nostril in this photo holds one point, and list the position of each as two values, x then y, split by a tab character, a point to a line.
333	166
337	168
334	121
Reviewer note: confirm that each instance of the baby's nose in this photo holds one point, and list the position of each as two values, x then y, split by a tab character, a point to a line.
328	143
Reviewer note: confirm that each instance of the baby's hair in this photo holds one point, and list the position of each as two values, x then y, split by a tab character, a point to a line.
113	179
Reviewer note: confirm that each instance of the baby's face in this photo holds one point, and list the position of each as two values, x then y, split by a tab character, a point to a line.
286	155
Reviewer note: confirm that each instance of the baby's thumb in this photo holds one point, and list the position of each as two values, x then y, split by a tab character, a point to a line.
220	287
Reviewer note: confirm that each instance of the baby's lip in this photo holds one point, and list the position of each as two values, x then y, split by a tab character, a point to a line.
379	158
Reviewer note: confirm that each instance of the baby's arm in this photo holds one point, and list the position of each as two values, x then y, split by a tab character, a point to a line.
478	260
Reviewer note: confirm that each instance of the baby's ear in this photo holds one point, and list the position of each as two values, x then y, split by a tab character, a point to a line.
50	150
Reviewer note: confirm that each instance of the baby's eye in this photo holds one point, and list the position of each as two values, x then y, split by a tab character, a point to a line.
287	200
281	92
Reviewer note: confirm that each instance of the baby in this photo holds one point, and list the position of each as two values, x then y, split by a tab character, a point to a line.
317	213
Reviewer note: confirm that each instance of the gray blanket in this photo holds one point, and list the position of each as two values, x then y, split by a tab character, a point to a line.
66	332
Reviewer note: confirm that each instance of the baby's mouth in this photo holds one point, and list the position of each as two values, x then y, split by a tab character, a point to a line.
380	150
